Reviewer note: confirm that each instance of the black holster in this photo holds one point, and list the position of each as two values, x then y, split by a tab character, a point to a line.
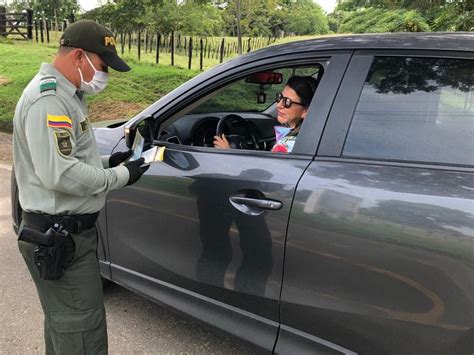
49	253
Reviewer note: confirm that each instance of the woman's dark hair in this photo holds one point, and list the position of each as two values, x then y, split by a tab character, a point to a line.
304	86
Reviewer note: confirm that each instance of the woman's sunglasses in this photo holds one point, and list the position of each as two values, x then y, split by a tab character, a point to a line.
287	102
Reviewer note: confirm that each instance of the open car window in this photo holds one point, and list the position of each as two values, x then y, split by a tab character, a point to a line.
245	96
251	101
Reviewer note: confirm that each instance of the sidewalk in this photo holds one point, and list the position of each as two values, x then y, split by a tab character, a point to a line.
6	153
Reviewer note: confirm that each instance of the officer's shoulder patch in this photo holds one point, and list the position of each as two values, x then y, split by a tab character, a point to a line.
48	83
84	125
59	122
63	142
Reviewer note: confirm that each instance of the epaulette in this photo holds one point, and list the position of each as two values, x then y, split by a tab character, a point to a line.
47	83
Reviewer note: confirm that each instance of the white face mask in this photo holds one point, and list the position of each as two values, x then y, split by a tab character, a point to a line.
98	82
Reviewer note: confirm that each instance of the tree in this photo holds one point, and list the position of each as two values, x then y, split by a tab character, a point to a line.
257	17
165	18
306	18
239	26
375	20
440	15
52	9
455	17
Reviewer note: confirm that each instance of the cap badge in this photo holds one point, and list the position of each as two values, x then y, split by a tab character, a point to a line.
109	41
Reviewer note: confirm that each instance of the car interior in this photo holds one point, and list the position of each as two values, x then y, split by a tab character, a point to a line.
244	110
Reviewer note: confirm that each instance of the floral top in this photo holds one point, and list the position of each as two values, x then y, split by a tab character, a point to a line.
285	139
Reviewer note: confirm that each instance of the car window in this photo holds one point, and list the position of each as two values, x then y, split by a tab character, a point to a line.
248	103
243	96
415	109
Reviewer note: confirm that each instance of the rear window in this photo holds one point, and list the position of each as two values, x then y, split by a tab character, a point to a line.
415	109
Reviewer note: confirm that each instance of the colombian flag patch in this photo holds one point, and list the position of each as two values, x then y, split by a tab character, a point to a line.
59	122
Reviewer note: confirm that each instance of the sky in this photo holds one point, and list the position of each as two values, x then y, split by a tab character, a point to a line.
327	5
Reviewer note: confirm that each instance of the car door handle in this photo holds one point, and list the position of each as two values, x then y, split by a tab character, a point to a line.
256	202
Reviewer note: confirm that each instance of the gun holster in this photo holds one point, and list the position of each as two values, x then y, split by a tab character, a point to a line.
49	253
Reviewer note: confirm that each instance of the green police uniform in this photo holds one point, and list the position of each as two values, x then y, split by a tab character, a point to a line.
59	172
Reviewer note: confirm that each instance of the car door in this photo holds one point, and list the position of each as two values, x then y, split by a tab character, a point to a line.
380	246
192	233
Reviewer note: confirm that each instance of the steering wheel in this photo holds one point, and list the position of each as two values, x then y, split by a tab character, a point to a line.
237	141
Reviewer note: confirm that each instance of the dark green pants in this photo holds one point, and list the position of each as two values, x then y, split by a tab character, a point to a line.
73	306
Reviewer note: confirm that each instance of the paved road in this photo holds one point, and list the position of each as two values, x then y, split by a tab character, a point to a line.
135	324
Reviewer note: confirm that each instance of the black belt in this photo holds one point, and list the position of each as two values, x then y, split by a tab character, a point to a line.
75	223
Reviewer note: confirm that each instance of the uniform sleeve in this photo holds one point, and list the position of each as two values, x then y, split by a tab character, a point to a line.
52	145
105	161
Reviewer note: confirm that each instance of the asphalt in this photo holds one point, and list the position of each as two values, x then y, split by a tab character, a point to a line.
135	325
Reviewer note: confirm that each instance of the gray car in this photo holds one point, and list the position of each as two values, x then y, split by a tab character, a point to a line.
359	241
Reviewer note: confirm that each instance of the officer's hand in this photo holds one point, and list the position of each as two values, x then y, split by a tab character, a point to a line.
117	158
135	170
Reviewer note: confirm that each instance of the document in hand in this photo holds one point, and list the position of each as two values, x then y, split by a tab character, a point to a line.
137	147
151	155
154	154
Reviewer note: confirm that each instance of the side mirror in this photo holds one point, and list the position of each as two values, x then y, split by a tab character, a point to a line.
144	126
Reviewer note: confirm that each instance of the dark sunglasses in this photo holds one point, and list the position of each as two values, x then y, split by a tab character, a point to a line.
287	102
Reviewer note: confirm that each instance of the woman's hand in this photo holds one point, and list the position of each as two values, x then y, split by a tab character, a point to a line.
221	142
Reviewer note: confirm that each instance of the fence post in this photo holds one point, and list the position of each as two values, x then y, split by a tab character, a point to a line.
3	18
158	40
129	41
139	43
172	47
47	30
56	28
190	52
121	42
146	41
41	30
248	45
29	17
36	30
200	54
222	51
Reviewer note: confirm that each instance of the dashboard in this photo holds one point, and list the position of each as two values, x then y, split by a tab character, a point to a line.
199	129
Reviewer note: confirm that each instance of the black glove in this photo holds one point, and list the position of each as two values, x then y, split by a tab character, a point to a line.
135	170
116	158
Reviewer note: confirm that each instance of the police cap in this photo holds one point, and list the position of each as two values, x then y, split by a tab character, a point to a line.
95	38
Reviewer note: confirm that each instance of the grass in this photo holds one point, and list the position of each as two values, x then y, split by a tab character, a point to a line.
126	94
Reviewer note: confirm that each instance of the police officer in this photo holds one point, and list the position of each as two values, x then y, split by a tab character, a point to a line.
62	180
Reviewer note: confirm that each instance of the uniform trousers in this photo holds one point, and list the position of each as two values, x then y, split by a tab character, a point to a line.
73	306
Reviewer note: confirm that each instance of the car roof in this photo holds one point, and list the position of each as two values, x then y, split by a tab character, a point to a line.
452	41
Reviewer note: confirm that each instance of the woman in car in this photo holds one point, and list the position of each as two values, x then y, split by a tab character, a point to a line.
292	106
